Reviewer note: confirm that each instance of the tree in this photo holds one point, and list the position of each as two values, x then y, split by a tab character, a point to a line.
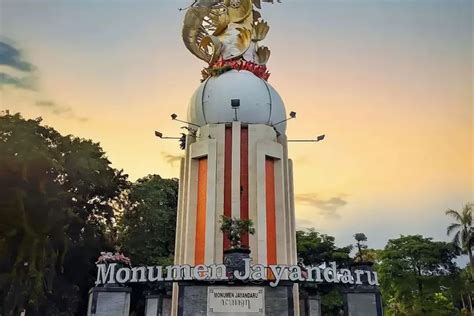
57	193
459	289
412	270
463	231
360	239
314	248
147	228
148	223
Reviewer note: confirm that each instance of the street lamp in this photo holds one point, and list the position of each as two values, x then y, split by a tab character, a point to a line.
317	140
174	117
292	116
160	135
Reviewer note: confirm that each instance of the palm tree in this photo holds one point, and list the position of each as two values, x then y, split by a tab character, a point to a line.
463	230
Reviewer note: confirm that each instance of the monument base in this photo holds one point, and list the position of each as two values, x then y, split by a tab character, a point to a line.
363	299
310	305
235	299
363	302
158	305
109	301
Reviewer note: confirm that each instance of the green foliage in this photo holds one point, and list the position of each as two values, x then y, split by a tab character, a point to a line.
361	247
148	223
461	288
370	255
360	237
412	270
58	193
441	305
147	228
315	248
463	231
436	304
332	302
234	228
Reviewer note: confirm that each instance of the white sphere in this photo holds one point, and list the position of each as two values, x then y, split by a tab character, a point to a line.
259	102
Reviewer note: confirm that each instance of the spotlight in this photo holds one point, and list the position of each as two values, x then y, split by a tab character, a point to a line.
235	103
292	116
318	139
174	117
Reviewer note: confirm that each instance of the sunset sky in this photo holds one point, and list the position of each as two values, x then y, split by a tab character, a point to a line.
389	82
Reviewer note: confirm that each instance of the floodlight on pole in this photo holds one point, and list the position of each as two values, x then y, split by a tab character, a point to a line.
174	117
160	135
292	116
235	105
317	140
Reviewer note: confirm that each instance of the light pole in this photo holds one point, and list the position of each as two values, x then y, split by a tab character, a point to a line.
292	116
317	140
174	117
160	135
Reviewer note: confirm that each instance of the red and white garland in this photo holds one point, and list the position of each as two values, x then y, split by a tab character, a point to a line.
221	66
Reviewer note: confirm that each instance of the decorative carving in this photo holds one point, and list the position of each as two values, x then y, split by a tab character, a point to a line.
262	55
226	30
260	30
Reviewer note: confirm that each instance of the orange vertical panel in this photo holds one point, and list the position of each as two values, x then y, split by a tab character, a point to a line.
271	211
227	179
200	246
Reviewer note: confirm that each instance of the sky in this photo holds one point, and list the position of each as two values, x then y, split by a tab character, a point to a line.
390	83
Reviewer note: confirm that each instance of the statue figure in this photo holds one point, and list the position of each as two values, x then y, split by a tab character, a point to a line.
218	31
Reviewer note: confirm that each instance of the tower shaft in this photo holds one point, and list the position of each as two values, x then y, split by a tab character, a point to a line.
242	171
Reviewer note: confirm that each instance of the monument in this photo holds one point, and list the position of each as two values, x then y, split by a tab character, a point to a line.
235	251
236	161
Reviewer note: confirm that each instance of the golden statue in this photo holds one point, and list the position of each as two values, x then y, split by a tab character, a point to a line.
226	30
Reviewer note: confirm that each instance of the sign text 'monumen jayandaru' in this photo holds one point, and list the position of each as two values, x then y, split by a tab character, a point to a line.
112	273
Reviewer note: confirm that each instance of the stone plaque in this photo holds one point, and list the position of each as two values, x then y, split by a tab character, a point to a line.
157	305
111	301
362	304
235	300
152	306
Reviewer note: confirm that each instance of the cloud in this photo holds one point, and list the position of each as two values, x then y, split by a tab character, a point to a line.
59	110
22	83
17	72
55	108
171	159
327	208
12	57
